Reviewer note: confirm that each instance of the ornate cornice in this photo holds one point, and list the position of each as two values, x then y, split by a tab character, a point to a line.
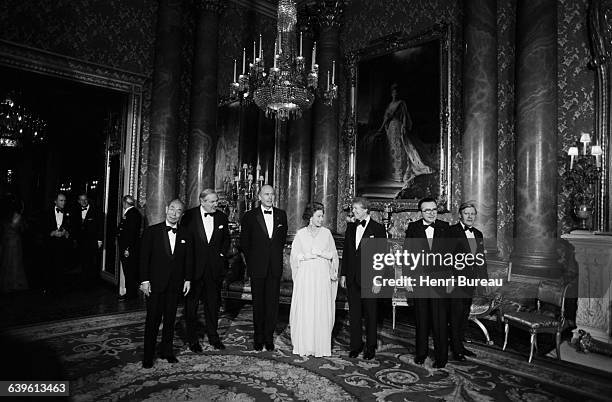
213	6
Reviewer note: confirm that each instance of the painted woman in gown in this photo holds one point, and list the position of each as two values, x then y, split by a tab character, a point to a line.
405	163
314	268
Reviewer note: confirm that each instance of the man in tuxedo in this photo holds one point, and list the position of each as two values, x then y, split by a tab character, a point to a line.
430	304
129	246
88	231
364	227
210	238
165	254
468	240
55	230
262	239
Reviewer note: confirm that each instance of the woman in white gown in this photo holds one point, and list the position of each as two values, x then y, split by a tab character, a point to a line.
314	268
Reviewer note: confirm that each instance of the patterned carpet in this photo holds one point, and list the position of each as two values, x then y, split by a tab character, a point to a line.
101	356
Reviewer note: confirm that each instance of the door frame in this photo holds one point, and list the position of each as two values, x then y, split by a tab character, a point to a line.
22	57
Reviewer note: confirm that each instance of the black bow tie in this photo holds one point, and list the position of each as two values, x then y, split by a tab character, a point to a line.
362	223
83	208
206	214
169	228
267	212
431	225
468	228
59	210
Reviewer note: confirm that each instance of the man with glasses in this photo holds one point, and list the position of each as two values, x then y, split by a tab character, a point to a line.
429	235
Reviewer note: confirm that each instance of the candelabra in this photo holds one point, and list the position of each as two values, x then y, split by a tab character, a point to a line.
241	189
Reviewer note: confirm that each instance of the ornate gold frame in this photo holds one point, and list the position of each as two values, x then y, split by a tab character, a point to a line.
449	108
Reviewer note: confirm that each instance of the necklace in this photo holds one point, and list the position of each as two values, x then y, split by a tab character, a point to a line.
314	230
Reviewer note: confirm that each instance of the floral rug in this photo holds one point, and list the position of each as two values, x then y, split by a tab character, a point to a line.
101	356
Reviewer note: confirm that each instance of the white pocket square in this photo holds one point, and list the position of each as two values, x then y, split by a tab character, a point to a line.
280	225
220	227
182	241
371	237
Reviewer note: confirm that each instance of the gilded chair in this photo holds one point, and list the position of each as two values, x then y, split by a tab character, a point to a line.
484	306
548	318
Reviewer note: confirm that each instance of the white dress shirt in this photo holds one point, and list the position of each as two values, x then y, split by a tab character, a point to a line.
84	212
171	236
471	238
127	209
269	218
429	232
360	230
209	223
59	218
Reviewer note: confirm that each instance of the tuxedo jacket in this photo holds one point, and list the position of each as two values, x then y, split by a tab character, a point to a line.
129	232
264	255
89	229
158	265
351	256
49	223
462	245
208	257
416	242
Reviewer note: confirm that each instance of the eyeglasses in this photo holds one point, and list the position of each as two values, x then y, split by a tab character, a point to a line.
429	211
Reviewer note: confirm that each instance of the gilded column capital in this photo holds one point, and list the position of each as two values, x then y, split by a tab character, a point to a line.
213	6
328	13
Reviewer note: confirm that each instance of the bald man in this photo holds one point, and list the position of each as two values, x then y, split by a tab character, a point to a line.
262	240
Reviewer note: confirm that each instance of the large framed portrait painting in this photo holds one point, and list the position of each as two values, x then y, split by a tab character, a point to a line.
401	109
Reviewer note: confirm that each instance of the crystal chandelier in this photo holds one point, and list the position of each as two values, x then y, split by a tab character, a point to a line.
288	89
18	124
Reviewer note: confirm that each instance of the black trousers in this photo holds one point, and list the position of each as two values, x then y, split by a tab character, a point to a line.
265	292
160	304
208	291
360	309
130	271
431	315
87	253
459	317
57	251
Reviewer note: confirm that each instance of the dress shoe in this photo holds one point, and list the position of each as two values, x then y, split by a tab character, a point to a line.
258	346
147	364
269	346
368	353
469	353
218	345
460	357
419	360
354	353
195	347
439	365
170	358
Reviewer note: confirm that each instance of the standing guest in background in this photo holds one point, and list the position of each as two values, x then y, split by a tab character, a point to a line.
468	240
87	232
430	305
12	270
364	227
165	254
129	245
262	239
54	227
210	241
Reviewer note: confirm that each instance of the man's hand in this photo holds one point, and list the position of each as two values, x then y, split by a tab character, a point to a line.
343	281
126	253
99	243
186	287
376	289
145	287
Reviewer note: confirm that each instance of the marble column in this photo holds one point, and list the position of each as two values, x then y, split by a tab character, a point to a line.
480	115
325	138
203	128
163	158
534	255
298	165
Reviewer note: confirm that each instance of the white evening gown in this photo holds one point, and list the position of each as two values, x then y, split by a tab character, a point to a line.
315	284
